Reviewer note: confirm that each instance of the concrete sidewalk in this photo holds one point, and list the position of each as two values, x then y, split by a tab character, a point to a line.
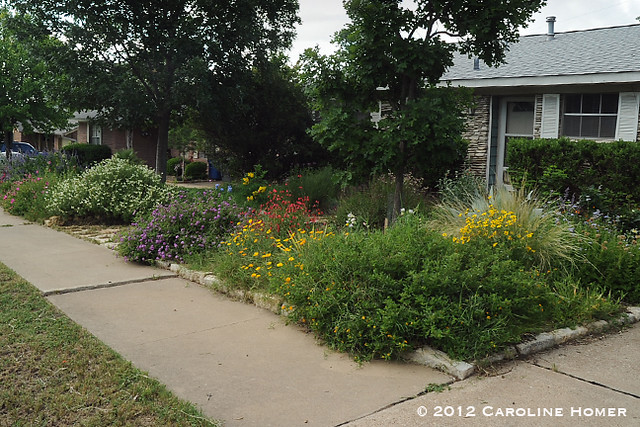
236	362
243	365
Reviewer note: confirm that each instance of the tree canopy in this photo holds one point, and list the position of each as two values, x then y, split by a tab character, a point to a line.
149	60
261	118
29	85
396	52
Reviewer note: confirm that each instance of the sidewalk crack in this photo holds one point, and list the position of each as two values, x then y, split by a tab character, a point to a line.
106	285
587	381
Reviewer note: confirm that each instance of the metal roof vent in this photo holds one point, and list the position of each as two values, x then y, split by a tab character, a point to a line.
551	20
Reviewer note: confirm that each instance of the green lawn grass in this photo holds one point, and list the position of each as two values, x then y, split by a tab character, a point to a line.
53	372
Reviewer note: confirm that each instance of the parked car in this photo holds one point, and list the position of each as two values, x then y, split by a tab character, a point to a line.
19	149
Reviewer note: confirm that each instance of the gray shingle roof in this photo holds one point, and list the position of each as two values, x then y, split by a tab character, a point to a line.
604	50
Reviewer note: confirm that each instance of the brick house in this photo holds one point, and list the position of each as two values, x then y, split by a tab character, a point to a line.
578	84
83	129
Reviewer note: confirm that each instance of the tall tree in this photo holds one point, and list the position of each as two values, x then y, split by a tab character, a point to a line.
164	51
263	119
395	50
29	85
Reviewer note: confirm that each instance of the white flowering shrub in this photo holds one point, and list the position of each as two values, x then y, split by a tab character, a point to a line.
115	190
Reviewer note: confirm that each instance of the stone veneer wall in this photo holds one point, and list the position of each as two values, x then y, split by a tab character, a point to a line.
477	134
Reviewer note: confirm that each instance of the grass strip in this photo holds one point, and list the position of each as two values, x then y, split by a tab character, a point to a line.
54	372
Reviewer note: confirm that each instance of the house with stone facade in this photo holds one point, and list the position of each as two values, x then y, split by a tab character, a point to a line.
576	84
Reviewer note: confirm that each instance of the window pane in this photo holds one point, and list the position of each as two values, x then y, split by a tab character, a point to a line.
571	126
610	103
572	104
591	103
607	127
590	126
520	117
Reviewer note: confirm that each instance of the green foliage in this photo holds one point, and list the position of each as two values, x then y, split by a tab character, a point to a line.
87	154
129	155
378	49
172	55
27	197
516	220
248	127
195	170
30	85
114	190
368	206
317	185
603	176
612	261
174	166
253	189
378	294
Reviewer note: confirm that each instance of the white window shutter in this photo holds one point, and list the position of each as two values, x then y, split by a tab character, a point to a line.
550	115
627	124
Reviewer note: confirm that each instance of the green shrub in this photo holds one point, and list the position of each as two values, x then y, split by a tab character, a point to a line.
253	190
603	176
27	198
174	166
195	170
112	191
87	154
130	155
612	261
316	184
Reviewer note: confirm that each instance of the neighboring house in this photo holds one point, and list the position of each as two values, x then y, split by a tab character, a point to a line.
579	84
82	129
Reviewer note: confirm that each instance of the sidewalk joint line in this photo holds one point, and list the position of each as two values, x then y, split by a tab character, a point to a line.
587	381
106	285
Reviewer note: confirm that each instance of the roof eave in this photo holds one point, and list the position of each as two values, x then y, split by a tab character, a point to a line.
632	77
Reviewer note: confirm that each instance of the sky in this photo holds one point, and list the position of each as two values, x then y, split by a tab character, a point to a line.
322	18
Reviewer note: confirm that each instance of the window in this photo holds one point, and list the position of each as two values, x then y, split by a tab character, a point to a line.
96	135
590	115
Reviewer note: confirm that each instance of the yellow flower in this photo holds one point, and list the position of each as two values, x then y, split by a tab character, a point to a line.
251	175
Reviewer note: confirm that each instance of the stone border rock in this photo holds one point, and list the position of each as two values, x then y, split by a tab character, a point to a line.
426	355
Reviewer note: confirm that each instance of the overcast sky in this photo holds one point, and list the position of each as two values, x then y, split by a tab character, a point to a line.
322	18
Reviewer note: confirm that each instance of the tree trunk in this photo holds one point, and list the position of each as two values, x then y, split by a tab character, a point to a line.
163	143
8	143
399	184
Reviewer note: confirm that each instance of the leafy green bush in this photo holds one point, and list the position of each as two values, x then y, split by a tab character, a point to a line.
253	189
316	184
27	198
113	191
195	170
130	155
612	261
87	154
603	176
174	166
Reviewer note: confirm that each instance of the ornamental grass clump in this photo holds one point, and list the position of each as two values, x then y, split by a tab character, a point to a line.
187	225
515	219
